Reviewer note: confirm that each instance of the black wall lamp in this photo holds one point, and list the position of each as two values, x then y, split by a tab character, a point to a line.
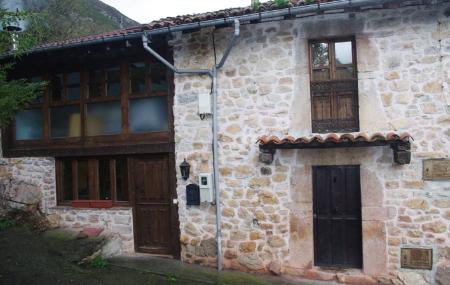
185	168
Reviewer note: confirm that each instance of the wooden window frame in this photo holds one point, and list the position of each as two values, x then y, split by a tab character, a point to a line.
69	146
93	180
350	86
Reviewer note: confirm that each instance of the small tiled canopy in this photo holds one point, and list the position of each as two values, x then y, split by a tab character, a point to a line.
400	143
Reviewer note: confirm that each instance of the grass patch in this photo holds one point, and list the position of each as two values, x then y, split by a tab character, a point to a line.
99	263
171	277
6	224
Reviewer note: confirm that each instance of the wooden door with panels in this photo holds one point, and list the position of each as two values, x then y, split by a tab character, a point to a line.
155	215
337	216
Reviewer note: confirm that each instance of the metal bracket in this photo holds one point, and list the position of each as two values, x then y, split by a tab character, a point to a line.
266	155
402	153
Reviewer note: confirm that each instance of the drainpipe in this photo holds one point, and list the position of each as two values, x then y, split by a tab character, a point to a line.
212	73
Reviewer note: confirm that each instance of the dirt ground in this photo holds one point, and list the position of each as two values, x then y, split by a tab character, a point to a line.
28	257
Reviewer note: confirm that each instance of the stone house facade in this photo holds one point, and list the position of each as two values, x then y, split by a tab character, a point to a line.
402	57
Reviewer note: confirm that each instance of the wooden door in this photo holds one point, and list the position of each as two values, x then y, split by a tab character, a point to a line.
337	216
153	209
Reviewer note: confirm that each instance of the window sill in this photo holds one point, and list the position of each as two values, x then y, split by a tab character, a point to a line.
70	208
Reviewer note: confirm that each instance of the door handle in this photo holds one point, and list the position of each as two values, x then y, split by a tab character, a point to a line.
175	201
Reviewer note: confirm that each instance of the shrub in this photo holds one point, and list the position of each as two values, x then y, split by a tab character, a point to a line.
282	3
6	224
99	262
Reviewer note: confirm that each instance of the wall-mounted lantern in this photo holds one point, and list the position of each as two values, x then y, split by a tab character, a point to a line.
185	168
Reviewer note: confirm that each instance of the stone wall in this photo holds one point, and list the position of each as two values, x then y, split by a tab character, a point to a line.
403	71
403	63
29	180
116	223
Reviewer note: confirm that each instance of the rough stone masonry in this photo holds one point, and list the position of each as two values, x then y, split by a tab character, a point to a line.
403	58
403	62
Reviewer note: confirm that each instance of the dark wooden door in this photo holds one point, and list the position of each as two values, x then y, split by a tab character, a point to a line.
153	205
337	216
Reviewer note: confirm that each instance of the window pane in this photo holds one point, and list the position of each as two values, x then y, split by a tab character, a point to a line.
29	125
39	96
113	81
57	83
83	185
104	179
73	93
137	77
104	118
344	73
320	54
121	180
66	168
65	122
343	52
73	86
95	83
73	78
148	115
321	74
158	78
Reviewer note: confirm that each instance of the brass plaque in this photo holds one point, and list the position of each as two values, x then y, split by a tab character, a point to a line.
417	258
436	169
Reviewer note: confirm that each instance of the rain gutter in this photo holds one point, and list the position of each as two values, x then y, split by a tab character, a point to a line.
212	73
291	11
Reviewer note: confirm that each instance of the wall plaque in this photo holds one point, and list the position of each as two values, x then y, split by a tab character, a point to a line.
436	169
417	258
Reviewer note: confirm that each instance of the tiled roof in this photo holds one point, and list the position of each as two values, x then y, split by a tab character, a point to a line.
179	20
333	140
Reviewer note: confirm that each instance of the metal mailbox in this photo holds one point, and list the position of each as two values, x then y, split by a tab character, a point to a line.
193	195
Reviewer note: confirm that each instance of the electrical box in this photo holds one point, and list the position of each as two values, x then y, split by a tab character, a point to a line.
204	104
205	183
192	195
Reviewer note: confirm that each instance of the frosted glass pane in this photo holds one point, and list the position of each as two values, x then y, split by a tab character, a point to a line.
343	53
137	77
29	125
158	78
56	87
73	93
104	118
148	115
65	122
113	81
39	96
73	78
73	86
95	82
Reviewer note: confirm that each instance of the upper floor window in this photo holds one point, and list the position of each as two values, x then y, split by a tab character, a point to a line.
98	100
334	86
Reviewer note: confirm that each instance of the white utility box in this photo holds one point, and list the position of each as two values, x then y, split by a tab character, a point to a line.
204	104
205	184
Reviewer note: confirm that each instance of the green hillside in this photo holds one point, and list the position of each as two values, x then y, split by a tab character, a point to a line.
56	20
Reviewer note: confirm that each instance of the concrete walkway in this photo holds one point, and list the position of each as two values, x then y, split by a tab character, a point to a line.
186	274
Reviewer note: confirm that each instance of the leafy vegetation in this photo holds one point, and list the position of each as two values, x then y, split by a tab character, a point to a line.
6	224
15	94
282	3
256	5
171	277
62	19
99	262
46	20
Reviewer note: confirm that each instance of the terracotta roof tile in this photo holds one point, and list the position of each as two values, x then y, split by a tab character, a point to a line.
184	19
334	138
